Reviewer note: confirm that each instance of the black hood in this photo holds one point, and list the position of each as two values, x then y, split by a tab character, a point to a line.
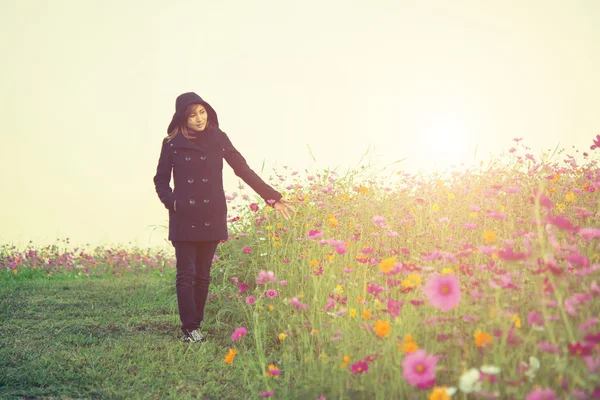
183	101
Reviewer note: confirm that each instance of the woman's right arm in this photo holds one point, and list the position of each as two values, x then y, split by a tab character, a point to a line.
162	179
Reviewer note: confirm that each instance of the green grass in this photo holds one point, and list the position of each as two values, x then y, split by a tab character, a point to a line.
109	337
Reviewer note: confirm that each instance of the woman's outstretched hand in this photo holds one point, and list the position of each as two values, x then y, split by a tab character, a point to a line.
281	207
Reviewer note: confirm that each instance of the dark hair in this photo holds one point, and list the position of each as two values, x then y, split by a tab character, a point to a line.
182	128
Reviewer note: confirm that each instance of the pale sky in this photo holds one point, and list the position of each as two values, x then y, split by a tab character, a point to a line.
89	87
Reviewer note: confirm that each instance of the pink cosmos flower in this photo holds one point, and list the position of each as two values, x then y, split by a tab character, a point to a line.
267	394
250	300
330	304
496	214
562	223
264	277
359	367
596	144
589	233
378	220
271	293
580	348
535	318
296	303
443	291
543	199
315	234
592	363
549	348
242	287
238	333
418	368
509	254
375	289
283	282
340	249
247	250
254	207
541	394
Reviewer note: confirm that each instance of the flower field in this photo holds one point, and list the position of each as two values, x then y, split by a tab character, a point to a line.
479	283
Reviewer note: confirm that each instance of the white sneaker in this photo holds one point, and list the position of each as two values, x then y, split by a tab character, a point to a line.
193	336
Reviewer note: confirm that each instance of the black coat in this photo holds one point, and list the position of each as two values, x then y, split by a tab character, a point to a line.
198	184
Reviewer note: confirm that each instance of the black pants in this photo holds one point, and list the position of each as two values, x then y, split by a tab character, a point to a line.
194	260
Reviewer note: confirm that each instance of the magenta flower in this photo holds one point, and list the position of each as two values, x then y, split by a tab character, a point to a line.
359	367
238	333
283	283
254	207
267	394
242	287
264	277
418	368
443	291
250	300
247	250
541	394
271	293
375	289
580	349
596	144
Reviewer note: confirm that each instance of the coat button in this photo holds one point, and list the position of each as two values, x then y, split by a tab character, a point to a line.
171	145
207	223
204	180
174	151
203	157
193	225
190	180
192	201
188	158
206	201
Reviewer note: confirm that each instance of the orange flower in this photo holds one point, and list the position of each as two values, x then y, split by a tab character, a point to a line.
410	347
489	236
382	328
482	339
333	222
439	393
230	356
366	314
386	264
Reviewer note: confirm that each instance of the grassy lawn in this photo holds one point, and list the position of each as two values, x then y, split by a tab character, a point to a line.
110	338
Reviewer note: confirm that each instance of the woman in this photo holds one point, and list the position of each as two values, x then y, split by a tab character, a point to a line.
194	150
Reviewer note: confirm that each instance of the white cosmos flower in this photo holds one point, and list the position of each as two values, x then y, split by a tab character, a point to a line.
534	366
469	381
490	369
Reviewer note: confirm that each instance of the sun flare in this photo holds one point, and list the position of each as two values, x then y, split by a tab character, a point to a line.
447	139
